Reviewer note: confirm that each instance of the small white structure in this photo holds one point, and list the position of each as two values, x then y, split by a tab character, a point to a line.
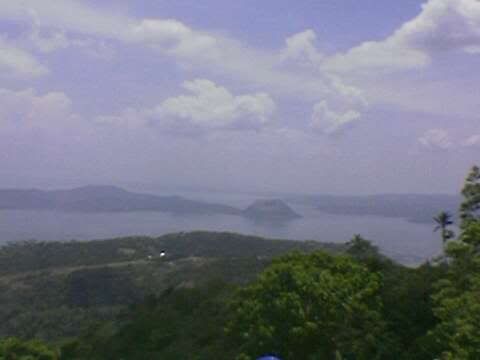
162	254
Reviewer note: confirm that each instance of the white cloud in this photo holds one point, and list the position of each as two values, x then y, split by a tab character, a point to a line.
301	49
221	55
206	106
472	141
26	109
442	25
48	39
175	38
436	139
385	56
17	62
299	70
166	35
217	54
67	15
211	106
293	71
51	41
328	122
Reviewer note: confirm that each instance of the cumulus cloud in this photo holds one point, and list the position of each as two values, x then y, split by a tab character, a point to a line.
442	25
169	36
472	141
298	70
218	54
18	62
175	38
27	109
211	106
328	122
300	48
206	106
294	70
436	139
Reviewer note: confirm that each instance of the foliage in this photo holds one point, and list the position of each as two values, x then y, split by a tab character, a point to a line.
180	324
457	303
56	290
310	306
34	256
443	221
402	308
360	248
16	349
92	300
471	194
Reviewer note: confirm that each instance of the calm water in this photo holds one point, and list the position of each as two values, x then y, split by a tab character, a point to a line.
406	242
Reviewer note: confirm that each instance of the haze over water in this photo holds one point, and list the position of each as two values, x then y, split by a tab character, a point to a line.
406	242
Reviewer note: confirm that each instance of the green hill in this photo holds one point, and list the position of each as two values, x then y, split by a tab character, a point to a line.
52	290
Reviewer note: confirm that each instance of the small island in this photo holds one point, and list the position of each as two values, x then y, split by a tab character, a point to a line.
272	210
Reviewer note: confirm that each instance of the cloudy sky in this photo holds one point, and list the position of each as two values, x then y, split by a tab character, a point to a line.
331	96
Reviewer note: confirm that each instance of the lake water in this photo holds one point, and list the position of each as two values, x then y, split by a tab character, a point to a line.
406	242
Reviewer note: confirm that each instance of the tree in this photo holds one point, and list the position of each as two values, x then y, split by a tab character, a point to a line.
456	302
471	204
314	306
443	221
361	248
13	349
459	329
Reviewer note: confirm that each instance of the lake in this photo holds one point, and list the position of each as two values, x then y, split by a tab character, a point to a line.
406	242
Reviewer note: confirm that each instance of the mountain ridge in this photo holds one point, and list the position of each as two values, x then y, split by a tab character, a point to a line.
105	198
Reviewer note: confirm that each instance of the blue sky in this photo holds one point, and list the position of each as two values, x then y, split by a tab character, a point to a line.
308	96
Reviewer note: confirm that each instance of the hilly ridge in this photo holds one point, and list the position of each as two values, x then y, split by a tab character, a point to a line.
105	199
76	284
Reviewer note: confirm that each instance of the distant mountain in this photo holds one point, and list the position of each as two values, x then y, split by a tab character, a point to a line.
413	207
91	199
270	210
105	199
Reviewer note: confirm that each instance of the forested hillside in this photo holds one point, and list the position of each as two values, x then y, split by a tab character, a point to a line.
74	284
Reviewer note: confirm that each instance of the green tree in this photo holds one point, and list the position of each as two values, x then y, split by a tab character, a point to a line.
459	329
457	306
443	221
469	209
312	306
16	349
359	247
180	324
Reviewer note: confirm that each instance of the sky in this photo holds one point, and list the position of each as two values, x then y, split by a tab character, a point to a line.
308	96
